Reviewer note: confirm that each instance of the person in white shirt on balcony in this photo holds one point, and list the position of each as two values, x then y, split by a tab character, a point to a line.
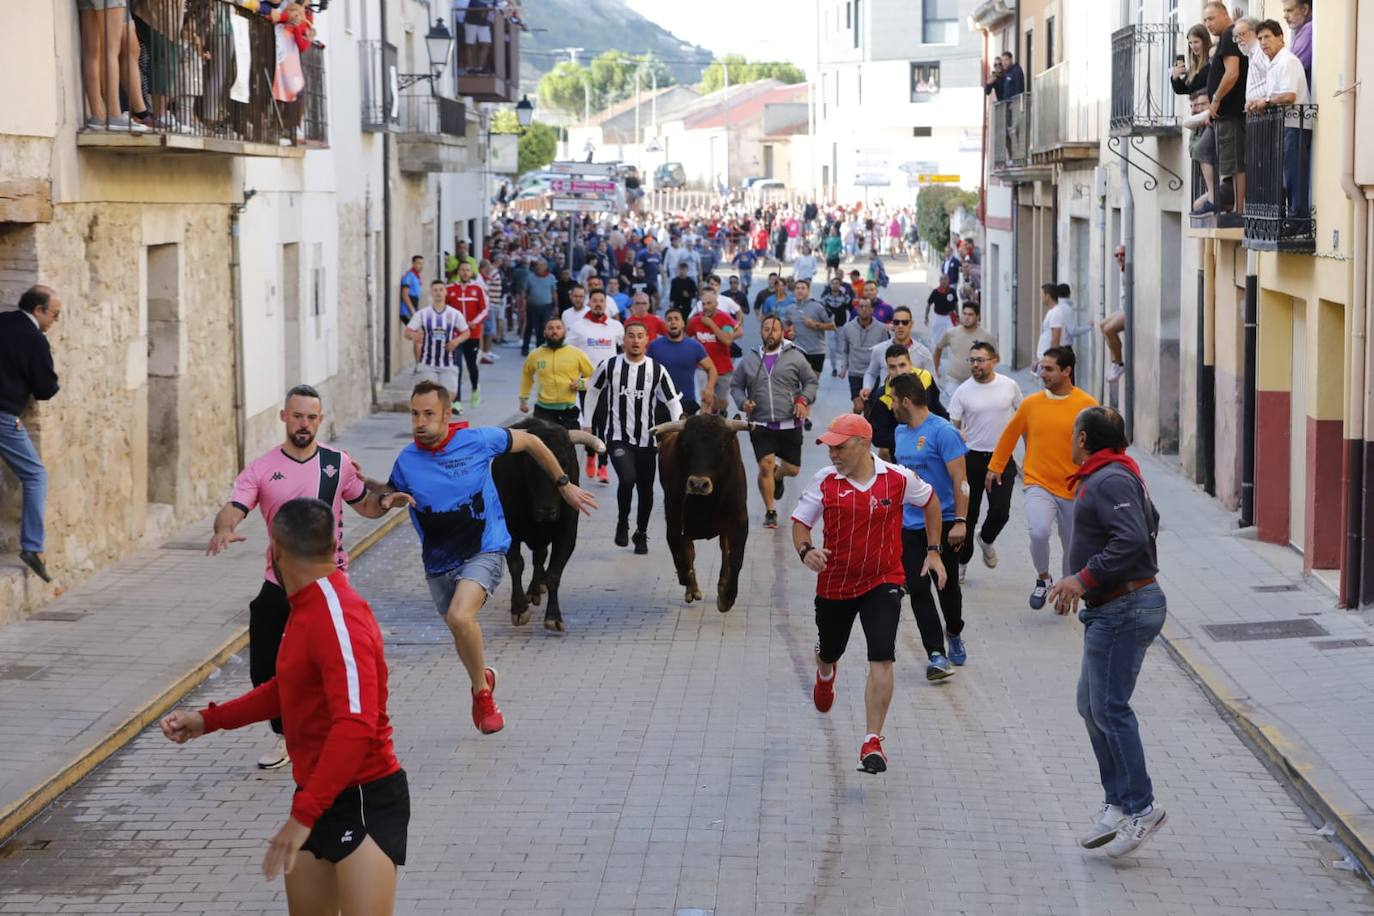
1286	85
1248	42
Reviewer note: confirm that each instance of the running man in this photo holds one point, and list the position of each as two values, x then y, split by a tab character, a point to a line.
438	331
631	385
860	499
456	511
682	356
599	336
1046	420
351	808
716	332
563	372
775	387
982	407
299	467
901	336
931	447
469	297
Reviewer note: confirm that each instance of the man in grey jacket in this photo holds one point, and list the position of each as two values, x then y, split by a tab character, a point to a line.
858	337
1113	549
775	387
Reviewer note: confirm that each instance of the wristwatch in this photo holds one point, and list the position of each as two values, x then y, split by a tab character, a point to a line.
933	548
804	550
561	482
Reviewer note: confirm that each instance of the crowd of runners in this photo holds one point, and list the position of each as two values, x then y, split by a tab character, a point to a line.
640	322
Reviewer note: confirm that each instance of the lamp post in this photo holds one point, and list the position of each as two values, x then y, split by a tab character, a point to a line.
439	47
524	111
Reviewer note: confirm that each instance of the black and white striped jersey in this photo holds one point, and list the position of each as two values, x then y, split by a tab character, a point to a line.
629	392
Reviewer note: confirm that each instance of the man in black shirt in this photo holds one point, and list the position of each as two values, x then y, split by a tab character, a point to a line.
683	289
944	299
26	371
1226	91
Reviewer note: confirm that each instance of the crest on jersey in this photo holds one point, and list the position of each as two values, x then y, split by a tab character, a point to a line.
920	442
330	470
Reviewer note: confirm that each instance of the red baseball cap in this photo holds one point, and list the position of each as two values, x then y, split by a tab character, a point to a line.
845	427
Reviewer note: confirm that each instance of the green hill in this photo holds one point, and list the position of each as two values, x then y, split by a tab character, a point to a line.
596	26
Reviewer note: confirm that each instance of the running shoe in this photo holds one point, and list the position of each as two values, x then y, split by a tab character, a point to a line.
823	694
989	553
622	533
1115	371
1134	831
1039	594
641	543
938	668
476	398
485	714
770	519
276	757
1104	828
457	409
963	573
591	470
603	475
958	652
487	359
871	756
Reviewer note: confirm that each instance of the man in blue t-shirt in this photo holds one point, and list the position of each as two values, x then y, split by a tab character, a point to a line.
682	356
744	261
455	508
540	290
933	448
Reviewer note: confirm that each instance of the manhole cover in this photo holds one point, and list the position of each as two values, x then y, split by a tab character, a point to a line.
1342	644
1273	588
19	672
1297	628
67	616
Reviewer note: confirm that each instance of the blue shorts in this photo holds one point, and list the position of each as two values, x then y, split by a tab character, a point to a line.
486	569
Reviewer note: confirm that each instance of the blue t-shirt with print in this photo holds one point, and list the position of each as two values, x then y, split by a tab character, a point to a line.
457	511
927	450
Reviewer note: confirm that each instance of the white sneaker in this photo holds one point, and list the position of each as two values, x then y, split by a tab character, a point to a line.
94	124
486	359
1134	831
989	553
1103	830
1115	371
963	573
276	757
124	122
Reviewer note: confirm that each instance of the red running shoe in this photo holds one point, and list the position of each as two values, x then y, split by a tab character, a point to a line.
591	466
823	694
485	715
603	475
871	756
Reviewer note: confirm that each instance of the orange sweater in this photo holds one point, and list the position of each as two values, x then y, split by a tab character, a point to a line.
1047	424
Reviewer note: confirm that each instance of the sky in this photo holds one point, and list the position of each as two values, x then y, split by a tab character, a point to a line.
758	29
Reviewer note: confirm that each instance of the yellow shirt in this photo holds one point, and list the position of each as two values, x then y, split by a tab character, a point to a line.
557	370
1047	423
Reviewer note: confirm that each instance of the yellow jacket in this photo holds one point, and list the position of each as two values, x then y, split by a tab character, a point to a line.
557	369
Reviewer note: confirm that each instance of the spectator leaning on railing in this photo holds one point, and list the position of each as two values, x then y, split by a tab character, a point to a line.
1190	78
1286	85
1248	42
1226	90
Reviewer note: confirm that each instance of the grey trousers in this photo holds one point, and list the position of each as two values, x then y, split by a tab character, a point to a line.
1042	509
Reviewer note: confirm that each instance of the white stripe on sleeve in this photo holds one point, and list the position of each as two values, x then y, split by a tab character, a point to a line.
331	597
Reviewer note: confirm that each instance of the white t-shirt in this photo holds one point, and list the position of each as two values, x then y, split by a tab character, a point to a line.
724	303
571	315
804	267
1061	316
984	409
598	340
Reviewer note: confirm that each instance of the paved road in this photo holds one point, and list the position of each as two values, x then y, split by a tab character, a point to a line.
665	759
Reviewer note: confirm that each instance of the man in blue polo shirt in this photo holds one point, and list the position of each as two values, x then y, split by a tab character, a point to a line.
457	513
933	448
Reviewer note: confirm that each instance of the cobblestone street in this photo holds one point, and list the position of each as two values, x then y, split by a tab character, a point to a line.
662	758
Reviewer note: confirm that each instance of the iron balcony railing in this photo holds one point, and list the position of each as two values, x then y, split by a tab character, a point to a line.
1143	101
1063	115
1011	131
431	114
1278	179
488	52
376	88
210	69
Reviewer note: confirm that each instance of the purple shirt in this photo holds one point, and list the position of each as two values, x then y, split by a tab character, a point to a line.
1302	47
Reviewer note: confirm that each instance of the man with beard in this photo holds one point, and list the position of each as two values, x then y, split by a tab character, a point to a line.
682	356
563	372
299	467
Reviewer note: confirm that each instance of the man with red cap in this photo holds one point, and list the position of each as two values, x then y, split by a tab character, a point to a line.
859	498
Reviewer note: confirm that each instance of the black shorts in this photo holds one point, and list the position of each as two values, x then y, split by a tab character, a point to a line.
817	361
786	444
879	611
379	809
832	263
564	418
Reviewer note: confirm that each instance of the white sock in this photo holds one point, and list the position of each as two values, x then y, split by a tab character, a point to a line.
823	677
869	737
1146	813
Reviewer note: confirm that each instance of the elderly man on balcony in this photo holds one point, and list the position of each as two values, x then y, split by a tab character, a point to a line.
1286	85
1248	42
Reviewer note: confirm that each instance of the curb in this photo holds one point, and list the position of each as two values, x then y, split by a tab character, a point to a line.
1281	751
17	815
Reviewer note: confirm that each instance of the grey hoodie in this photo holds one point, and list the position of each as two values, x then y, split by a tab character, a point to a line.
774	393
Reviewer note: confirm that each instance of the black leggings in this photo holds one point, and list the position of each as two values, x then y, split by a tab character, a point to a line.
469	349
266	623
635	468
999	501
922	600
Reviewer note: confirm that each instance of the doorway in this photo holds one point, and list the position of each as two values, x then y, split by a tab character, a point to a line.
291	314
164	372
1170	319
1297	430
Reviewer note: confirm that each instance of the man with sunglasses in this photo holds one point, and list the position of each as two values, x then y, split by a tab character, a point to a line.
901	336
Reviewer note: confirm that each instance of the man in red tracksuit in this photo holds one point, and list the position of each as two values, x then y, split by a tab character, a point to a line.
351	809
469	297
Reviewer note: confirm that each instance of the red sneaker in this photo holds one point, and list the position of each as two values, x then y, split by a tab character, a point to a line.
603	475
823	694
485	716
871	756
591	466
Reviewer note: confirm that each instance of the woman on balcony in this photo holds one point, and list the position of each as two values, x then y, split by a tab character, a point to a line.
1190	79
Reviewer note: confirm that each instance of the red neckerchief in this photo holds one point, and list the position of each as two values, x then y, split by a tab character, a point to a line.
1099	460
591	316
452	429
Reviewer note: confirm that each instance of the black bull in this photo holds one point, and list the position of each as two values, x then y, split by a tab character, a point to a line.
538	516
705	495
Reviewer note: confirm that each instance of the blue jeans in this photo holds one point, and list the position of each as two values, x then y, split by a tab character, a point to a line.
18	451
535	320
1115	637
1297	171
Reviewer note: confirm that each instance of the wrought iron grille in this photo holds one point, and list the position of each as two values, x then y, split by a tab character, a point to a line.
1278	179
1143	101
1011	131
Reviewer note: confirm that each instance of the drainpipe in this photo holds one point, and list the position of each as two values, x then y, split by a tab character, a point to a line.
1355	585
1206	377
1128	289
1016	270
1248	394
386	219
236	296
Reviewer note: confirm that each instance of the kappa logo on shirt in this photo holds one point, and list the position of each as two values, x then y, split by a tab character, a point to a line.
277	475
330	470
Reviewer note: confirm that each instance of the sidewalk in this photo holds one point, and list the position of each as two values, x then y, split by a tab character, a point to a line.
82	676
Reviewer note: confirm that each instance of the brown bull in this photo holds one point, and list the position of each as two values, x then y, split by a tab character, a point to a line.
705	495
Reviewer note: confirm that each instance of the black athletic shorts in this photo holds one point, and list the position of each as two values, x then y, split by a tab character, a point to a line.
379	809
786	444
879	611
832	263
817	361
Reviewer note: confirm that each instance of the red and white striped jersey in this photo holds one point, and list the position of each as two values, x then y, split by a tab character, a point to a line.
471	300
863	526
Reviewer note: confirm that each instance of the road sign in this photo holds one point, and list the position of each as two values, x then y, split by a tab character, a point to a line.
652	146
603	169
938	179
871	180
582	205
576	186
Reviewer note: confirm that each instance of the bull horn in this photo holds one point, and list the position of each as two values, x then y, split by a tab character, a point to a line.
664	429
582	437
738	426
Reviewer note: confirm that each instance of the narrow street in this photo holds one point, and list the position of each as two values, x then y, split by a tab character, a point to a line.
661	758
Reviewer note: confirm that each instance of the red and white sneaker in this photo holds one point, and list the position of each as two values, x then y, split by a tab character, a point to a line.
603	475
871	756
591	466
823	694
485	714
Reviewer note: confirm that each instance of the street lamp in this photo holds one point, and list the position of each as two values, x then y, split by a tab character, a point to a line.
524	111
439	47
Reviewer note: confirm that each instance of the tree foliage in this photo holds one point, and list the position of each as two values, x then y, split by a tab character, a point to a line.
742	71
608	79
537	145
934	206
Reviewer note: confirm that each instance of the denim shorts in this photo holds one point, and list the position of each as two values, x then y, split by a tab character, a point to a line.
485	569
